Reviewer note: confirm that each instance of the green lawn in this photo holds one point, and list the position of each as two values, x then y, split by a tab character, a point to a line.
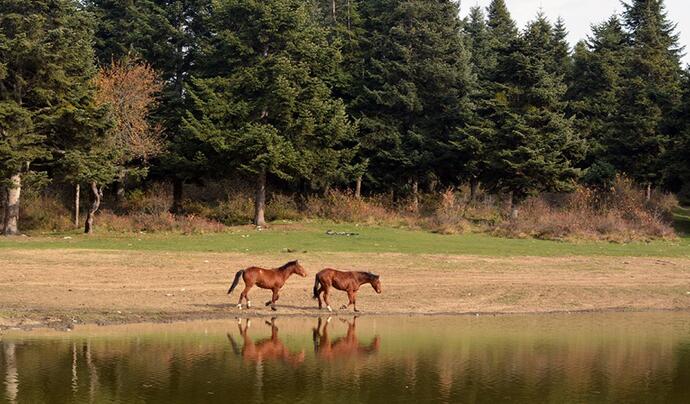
313	238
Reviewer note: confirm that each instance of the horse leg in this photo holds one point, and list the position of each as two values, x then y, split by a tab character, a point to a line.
244	296
322	289
275	297
325	299
352	299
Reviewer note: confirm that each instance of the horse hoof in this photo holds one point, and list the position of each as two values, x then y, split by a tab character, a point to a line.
239	306
268	303
249	304
329	308
273	308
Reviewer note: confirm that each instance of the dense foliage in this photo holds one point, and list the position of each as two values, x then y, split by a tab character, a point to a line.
384	96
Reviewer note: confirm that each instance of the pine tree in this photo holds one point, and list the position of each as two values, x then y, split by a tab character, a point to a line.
562	61
45	88
264	104
650	93
534	146
593	96
677	170
479	129
415	91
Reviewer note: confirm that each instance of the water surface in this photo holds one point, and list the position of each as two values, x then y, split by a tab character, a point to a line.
584	358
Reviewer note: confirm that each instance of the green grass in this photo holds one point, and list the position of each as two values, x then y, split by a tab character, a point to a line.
682	221
313	238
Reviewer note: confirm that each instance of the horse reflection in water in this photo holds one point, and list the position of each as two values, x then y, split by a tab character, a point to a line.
343	347
268	349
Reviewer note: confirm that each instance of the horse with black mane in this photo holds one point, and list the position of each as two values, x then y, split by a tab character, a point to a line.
345	281
272	279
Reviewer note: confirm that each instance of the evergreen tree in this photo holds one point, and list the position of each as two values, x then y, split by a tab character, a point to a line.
650	93
534	146
45	87
480	129
598	68
416	86
562	61
343	21
264	105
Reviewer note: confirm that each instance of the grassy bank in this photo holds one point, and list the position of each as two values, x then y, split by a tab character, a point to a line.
313	237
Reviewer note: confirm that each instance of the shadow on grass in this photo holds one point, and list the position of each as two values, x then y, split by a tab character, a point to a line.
681	221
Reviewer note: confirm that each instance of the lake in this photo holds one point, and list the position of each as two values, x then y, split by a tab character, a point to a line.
564	358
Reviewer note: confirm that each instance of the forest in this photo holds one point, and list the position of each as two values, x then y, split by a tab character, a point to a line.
220	112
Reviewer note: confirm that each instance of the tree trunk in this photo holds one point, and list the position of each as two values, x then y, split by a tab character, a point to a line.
349	16
514	212
96	193
474	186
333	12
77	191
13	193
178	188
120	189
358	187
260	199
415	195
648	192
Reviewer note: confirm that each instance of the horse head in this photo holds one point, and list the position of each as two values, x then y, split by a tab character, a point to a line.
375	282
297	268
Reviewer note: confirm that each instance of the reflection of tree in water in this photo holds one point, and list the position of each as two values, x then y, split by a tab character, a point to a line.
11	376
440	365
347	346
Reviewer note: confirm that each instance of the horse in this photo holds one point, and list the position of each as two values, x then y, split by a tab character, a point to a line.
346	346
266	349
346	281
272	279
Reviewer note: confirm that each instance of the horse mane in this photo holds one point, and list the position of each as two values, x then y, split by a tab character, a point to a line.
287	265
372	276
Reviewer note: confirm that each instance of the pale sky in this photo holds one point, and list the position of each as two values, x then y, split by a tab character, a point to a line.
580	14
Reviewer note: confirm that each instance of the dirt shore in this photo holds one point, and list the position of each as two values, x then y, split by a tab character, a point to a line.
63	287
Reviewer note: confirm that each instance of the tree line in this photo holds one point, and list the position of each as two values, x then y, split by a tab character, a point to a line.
307	95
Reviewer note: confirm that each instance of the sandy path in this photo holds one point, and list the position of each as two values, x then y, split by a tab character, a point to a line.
116	286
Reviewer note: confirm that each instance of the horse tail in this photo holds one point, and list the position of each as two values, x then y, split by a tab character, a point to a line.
317	282
236	281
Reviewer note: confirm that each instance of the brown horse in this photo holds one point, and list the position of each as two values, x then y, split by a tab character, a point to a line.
347	346
266	349
346	281
273	279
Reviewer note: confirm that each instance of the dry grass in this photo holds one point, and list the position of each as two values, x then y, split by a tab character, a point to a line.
620	214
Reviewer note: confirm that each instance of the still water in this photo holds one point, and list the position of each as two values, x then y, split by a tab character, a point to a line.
583	358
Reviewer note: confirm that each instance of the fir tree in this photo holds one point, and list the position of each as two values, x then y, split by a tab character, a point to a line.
416	88
598	68
562	61
264	105
46	97
650	92
534	146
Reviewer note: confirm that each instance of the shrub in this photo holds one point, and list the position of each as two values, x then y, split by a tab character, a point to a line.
619	214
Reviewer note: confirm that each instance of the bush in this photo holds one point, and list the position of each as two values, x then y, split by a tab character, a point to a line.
619	214
158	222
45	213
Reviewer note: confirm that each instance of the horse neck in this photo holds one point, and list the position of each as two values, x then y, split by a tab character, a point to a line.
363	278
286	272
